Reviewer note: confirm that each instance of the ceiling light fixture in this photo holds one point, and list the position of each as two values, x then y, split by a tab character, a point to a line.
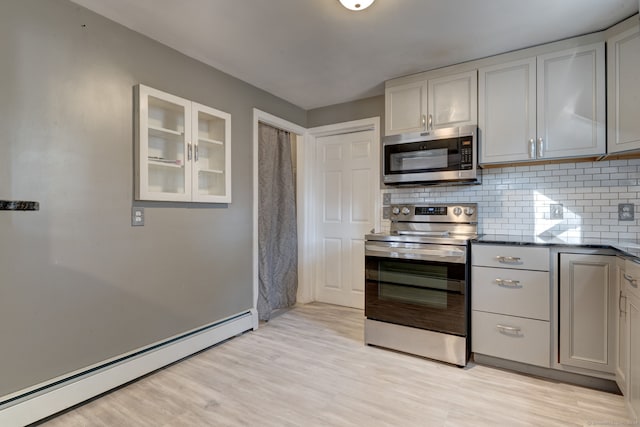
356	4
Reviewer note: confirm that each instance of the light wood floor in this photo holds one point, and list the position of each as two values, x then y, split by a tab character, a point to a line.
309	367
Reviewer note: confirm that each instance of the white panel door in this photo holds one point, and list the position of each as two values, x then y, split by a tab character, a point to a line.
571	103
453	100
405	108
507	111
347	183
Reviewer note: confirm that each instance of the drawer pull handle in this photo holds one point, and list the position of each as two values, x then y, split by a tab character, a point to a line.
508	259
508	283
509	329
633	282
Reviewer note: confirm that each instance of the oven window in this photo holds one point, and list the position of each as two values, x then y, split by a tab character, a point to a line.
420	160
419	283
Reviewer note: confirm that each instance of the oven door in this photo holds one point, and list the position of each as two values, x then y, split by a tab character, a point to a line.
425	294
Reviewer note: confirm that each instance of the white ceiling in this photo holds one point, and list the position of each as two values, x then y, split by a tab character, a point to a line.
315	53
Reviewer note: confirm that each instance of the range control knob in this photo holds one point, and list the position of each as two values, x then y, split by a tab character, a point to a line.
395	210
469	211
457	211
406	211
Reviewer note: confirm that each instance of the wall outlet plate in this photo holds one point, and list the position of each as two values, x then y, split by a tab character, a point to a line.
386	212
137	216
556	211
386	199
626	212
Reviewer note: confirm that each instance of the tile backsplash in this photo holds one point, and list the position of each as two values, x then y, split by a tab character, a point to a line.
517	200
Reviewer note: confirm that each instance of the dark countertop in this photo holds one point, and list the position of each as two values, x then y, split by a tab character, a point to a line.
627	248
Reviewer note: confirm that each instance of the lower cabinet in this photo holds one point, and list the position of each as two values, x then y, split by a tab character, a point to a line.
622	323
633	385
632	293
588	311
510	301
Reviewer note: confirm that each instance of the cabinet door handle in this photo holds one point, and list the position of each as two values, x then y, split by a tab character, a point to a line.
189	151
430	122
509	329
508	259
622	307
508	283
195	152
423	121
633	282
540	147
532	148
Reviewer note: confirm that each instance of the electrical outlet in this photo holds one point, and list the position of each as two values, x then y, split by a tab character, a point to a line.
386	199
386	212
556	211
625	212
137	216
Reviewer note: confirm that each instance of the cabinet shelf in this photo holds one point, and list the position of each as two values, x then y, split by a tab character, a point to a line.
163	132
210	141
211	171
165	163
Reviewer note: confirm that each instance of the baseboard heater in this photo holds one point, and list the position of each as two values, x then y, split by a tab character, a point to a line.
49	398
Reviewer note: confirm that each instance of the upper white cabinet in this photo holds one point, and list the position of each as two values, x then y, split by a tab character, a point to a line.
432	103
182	149
548	107
623	91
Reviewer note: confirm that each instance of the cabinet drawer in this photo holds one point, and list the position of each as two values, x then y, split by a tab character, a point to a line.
631	274
505	256
521	293
511	338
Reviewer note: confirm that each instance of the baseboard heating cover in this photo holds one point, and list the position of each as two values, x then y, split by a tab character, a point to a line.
50	398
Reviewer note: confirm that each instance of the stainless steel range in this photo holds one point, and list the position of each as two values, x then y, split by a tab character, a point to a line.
417	282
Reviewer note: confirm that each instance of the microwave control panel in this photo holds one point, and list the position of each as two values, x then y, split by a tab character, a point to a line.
466	154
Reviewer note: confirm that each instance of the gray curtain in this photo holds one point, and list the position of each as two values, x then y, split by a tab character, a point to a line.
277	234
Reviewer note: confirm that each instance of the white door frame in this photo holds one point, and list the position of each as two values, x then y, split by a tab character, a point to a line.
311	242
306	207
266	118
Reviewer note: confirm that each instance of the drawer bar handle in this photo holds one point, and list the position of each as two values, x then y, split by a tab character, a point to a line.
508	259
633	282
508	283
509	329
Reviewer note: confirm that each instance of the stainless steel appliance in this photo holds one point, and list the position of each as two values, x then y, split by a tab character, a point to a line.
442	156
417	282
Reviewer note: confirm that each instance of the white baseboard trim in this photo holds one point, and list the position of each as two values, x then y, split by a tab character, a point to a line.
99	381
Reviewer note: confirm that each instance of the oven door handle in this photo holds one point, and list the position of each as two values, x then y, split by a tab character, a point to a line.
399	252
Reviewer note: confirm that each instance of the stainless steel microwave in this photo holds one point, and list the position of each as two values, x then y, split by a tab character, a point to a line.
441	156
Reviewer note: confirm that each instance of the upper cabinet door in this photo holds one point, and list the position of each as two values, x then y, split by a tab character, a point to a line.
571	103
623	59
211	172
163	148
453	100
405	108
507	111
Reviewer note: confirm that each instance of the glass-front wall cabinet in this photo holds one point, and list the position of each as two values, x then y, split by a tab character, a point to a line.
182	149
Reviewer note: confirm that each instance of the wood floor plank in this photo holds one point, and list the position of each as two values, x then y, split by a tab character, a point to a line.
309	366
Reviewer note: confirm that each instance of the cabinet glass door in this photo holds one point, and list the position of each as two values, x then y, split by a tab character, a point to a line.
212	160
164	150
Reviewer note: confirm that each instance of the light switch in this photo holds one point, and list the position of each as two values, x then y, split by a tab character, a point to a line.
137	216
556	211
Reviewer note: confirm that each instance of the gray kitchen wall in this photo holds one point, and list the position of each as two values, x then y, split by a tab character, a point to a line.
516	200
348	111
78	284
